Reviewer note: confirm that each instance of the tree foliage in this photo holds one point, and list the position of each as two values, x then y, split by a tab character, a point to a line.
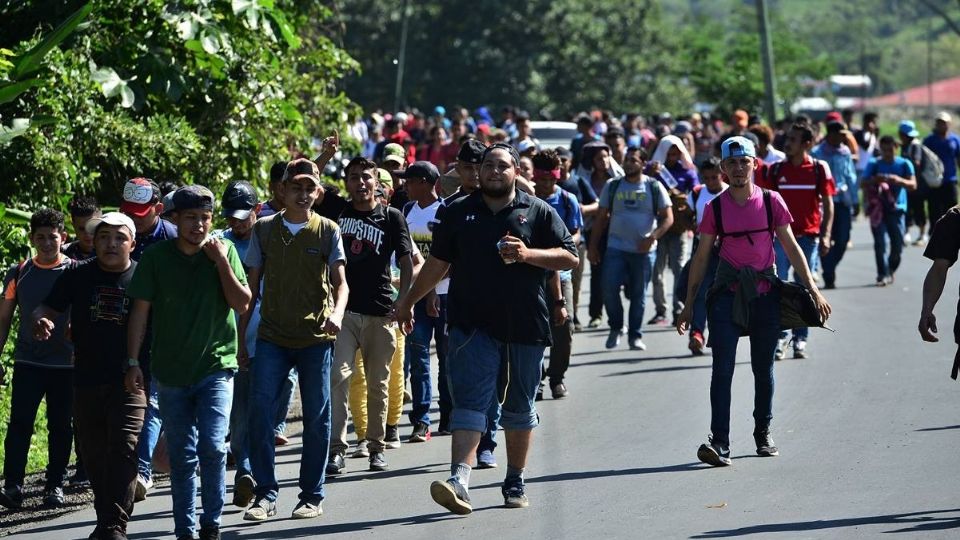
201	91
559	57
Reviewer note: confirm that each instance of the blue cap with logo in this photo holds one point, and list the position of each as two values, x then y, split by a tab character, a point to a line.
908	128
737	147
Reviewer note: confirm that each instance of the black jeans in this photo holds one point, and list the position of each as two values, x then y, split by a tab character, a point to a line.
109	420
30	385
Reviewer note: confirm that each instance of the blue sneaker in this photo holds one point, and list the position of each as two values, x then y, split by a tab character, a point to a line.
486	460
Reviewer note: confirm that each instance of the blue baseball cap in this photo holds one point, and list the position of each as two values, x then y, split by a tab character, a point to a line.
908	128
737	147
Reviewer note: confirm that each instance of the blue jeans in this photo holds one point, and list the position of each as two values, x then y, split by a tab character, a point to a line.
417	357
724	336
152	426
840	233
808	246
892	226
284	401
633	270
268	372
196	419
239	432
479	367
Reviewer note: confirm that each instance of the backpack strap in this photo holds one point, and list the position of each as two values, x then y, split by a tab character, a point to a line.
611	193
695	194
718	218
654	191
768	207
774	172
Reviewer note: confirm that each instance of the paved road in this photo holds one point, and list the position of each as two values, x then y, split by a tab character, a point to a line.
867	429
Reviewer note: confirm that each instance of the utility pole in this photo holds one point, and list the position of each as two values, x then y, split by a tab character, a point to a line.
401	59
766	56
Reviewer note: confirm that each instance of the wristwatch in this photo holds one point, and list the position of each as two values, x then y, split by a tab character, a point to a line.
559	303
132	362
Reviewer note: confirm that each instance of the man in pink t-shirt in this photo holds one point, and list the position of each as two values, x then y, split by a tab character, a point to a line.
744	298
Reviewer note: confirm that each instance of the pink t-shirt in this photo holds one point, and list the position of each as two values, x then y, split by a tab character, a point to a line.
738	250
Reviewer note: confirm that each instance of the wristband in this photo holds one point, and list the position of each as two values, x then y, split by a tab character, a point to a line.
559	303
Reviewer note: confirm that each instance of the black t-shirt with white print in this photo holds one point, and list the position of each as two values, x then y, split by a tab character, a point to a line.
369	240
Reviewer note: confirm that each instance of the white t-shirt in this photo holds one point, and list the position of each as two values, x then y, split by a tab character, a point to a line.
294	228
773	156
421	221
703	199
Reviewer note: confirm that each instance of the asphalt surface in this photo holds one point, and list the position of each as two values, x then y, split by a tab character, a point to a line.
867	429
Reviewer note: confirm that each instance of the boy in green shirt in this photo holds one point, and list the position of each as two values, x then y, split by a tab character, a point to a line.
189	285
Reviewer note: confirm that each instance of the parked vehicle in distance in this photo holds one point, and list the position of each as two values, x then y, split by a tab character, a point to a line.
553	134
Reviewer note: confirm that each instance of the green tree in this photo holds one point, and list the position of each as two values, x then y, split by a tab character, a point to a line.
196	91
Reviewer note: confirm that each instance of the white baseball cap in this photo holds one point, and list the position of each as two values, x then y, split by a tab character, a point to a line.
118	219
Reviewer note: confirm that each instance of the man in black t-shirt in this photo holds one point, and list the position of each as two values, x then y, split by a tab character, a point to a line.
108	417
943	249
372	234
82	210
499	245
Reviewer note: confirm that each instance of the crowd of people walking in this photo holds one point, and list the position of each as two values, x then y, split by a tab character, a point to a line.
154	330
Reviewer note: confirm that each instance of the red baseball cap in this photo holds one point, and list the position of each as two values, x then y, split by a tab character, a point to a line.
834	116
139	196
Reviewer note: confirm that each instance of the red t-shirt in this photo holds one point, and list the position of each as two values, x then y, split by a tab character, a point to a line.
798	186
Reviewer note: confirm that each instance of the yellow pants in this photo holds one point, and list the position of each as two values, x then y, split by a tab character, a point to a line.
358	391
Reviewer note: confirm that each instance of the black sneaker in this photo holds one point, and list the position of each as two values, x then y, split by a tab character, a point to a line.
243	490
765	445
391	438
713	453
421	433
559	390
336	465
209	533
53	497
539	393
451	495
377	463
12	498
261	510
513	493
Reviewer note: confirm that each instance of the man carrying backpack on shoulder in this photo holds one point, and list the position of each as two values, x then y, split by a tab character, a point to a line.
745	297
929	171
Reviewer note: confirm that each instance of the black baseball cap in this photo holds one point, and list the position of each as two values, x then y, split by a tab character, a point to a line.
563	152
193	198
471	151
421	170
239	199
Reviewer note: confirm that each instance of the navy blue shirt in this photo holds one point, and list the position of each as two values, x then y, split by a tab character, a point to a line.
948	150
164	230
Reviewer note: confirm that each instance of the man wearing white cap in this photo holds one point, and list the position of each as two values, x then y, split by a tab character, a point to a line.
744	297
107	415
946	145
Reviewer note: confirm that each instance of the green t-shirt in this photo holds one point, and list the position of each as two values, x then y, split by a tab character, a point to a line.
194	330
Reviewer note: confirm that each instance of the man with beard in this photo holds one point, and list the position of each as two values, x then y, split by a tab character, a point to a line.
511	241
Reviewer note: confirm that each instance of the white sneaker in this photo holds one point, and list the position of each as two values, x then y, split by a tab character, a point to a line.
143	486
907	239
637	344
